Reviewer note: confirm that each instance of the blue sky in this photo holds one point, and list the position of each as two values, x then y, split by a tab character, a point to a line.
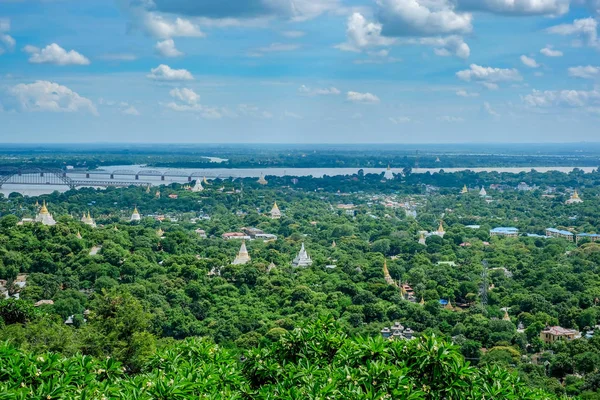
300	71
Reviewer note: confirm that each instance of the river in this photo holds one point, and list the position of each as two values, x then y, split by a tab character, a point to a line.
183	173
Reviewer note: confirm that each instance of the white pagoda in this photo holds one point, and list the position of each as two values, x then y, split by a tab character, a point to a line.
464	190
482	192
422	239
44	217
389	175
302	259
275	212
243	257
198	186
574	198
262	179
440	231
88	220
135	216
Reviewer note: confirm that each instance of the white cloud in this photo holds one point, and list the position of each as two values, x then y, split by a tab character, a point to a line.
162	28
422	18
7	42
449	118
186	95
362	34
517	7
489	85
318	91
569	98
464	93
529	62
167	48
165	73
448	46
585	72
289	114
399	120
293	34
489	110
357	97
49	96
54	54
586	29
131	110
548	51
489	76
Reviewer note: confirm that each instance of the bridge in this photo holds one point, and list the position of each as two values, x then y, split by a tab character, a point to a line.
117	178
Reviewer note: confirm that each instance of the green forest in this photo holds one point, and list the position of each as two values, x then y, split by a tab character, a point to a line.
156	308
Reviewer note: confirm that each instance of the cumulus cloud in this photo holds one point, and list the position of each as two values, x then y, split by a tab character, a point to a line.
48	96
529	62
422	18
585	29
162	28
318	91
517	7
568	98
253	111
131	110
489	76
464	93
399	120
273	48
357	97
54	54
585	72
293	115
548	51
362	34
186	95
166	48
165	73
7	42
190	102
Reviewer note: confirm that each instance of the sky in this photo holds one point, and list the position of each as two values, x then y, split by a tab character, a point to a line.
299	71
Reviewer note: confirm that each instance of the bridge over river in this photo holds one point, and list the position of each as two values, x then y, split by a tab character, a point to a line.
116	178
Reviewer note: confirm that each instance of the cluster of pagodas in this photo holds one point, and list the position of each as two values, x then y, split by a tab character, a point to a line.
301	260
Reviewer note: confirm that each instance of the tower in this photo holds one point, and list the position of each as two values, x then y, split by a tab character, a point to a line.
262	179
422	239
464	190
302	259
389	175
275	212
197	187
482	192
44	217
135	216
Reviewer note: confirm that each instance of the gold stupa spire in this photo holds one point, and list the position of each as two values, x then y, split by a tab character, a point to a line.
135	210
575	195
464	190
422	302
441	227
44	209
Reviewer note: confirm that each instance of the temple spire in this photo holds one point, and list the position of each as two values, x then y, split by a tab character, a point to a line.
243	257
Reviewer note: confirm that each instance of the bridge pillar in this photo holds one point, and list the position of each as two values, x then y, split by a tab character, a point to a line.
87	176
42	174
112	176
162	178
137	177
189	178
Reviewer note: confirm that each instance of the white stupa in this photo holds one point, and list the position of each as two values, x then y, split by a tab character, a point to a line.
275	212
198	186
389	175
88	220
262	179
243	257
422	239
482	192
302	259
135	216
44	217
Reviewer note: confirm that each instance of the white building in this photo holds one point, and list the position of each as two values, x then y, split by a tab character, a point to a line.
44	217
275	212
135	216
197	187
88	220
302	259
389	175
243	257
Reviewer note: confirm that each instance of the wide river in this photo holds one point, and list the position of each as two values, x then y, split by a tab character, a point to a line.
180	174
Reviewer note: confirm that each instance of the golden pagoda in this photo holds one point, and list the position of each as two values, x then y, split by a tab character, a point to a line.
441	227
506	317
79	235
148	189
449	306
157	194
422	302
275	212
135	216
205	181
44	217
160	233
464	190
333	245
422	239
574	198
44	209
